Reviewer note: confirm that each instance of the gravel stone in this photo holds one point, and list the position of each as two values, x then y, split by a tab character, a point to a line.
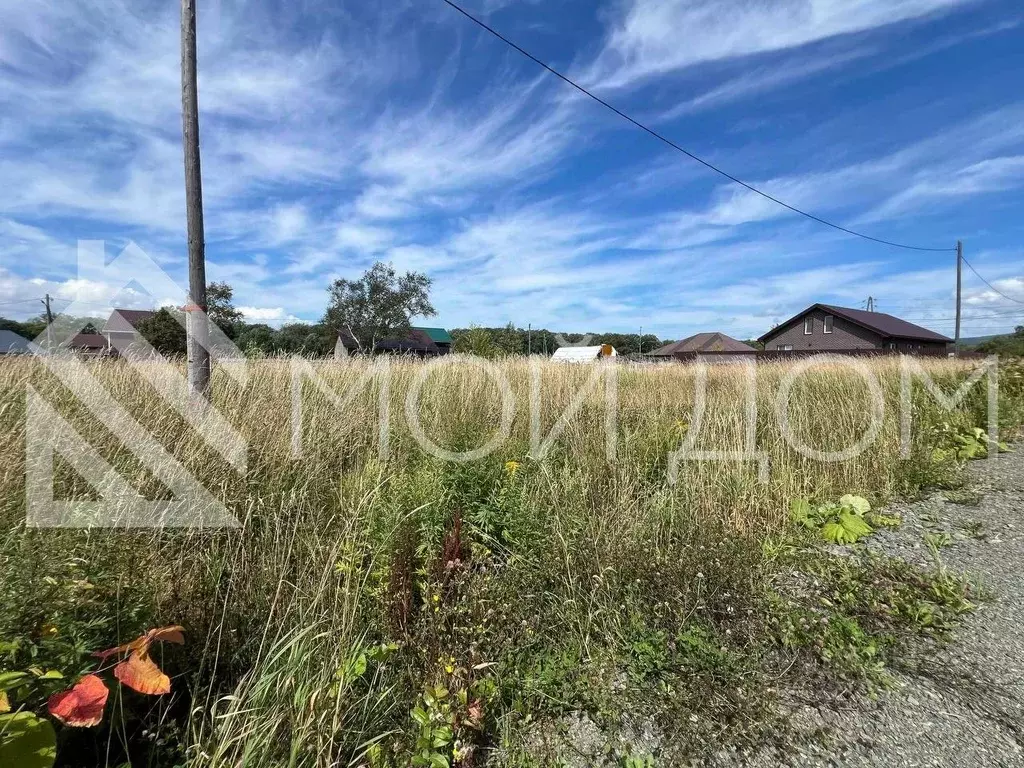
961	704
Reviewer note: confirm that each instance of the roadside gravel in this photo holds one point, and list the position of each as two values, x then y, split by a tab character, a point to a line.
958	705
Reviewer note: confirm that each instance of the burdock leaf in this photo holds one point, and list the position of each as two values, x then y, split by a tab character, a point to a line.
858	504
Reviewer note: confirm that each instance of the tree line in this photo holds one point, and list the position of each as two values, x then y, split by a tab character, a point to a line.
378	305
512	340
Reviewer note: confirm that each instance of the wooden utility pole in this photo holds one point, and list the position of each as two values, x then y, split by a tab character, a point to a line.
529	339
49	323
641	340
959	281
196	326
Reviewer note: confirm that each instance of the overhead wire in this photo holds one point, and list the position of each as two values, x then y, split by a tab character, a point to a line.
669	142
986	282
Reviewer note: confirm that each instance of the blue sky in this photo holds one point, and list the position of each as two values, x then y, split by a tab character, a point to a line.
335	134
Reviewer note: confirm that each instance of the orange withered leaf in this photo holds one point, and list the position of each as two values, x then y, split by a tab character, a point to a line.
140	673
167	635
138	644
82	706
141	644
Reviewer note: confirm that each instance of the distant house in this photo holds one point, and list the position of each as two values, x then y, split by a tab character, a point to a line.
87	344
441	338
827	328
13	344
709	347
424	342
583	354
121	326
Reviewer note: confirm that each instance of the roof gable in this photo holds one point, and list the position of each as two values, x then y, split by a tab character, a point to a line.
714	341
86	341
437	335
13	343
887	326
126	320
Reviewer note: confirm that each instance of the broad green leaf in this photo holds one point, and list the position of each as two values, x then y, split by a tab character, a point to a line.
855	525
27	741
357	667
800	512
420	716
437	760
834	532
857	503
380	653
11	680
442	736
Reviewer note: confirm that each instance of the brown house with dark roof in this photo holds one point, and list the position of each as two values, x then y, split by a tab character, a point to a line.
712	347
90	344
827	328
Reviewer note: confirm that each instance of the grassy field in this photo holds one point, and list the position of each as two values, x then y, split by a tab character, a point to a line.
400	609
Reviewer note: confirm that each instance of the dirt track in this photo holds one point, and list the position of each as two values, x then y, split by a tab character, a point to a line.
964	704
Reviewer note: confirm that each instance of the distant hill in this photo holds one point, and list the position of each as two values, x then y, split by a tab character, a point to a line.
973	341
1003	344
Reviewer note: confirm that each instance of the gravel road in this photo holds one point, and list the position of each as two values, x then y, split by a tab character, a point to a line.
963	704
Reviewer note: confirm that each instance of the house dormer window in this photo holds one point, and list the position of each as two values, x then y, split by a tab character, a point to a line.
828	323
808	326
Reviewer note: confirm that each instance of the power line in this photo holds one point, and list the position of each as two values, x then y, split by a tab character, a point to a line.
55	299
675	146
19	301
948	320
986	282
992	312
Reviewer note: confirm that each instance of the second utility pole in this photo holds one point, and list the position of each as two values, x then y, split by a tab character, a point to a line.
196	326
959	280
49	324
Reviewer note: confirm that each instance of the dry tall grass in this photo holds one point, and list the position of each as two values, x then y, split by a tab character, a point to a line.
484	574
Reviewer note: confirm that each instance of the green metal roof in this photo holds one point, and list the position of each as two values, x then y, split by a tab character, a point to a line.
437	335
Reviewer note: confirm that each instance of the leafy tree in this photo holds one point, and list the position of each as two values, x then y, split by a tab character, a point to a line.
379	305
220	309
475	341
306	339
28	329
258	336
510	340
165	331
518	341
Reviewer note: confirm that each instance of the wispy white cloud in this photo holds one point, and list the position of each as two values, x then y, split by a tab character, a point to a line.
652	39
392	136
